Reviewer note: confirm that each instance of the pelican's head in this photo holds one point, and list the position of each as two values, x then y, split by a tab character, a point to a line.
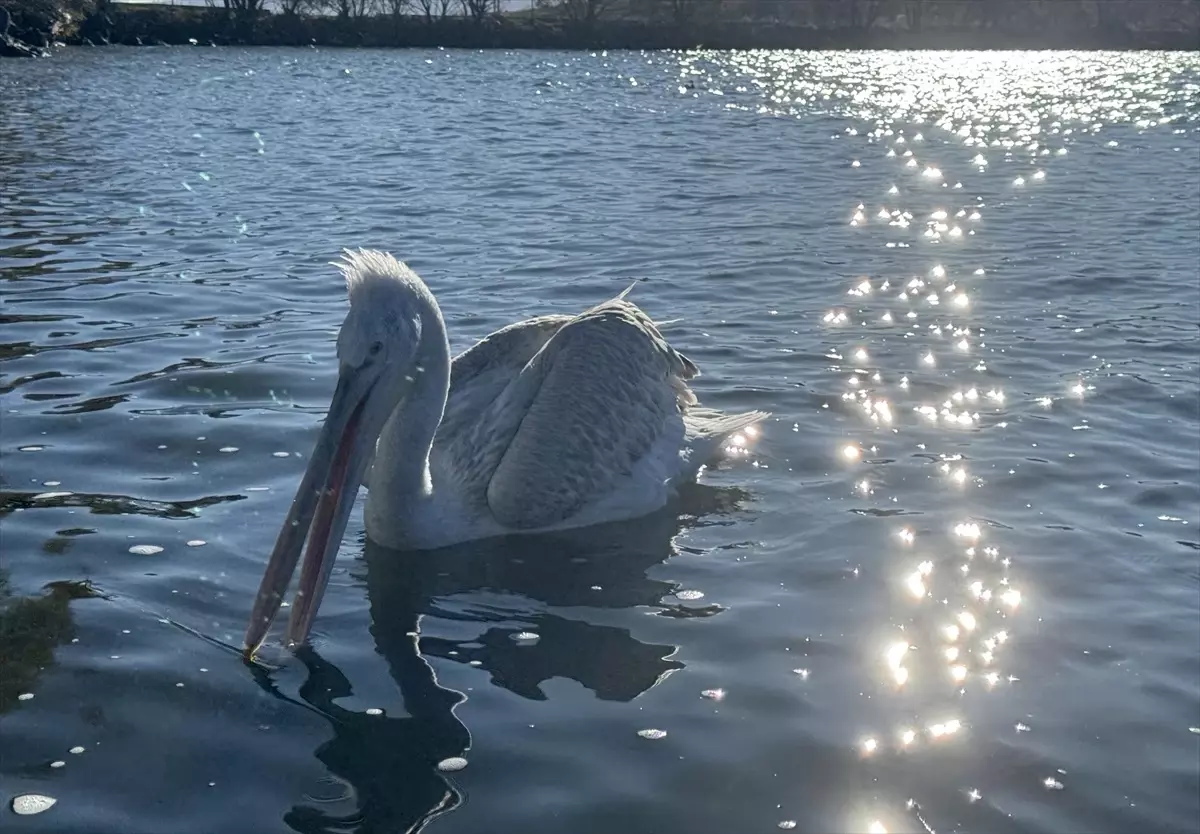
378	350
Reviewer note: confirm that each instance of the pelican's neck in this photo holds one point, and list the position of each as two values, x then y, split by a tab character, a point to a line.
400	475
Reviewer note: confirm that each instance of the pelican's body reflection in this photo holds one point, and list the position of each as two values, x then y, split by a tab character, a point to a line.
503	587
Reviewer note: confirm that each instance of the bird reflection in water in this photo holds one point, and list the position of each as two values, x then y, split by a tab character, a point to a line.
389	764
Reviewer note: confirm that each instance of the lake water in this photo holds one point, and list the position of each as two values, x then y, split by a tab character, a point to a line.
954	585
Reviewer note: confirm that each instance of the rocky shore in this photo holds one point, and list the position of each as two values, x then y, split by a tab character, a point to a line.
24	39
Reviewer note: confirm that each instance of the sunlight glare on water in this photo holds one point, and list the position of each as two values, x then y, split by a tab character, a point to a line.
950	585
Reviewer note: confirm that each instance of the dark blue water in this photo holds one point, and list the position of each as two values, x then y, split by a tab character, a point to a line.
955	586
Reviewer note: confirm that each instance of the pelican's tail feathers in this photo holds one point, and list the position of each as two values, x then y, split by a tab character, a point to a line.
709	431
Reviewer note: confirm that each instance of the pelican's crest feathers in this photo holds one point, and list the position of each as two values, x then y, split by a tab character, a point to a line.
367	269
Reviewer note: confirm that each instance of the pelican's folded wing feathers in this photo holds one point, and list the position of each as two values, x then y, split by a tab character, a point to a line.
586	410
480	373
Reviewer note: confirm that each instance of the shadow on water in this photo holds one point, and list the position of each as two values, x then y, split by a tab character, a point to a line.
31	628
12	501
389	764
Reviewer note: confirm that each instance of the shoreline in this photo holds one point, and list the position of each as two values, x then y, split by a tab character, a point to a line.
154	25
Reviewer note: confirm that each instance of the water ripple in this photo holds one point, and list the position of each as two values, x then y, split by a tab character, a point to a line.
952	586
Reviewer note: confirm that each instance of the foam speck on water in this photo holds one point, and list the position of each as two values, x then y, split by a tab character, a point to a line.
197	543
32	803
452	764
145	549
652	734
374	711
689	595
25	696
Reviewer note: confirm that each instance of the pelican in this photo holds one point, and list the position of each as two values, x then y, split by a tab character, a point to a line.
552	423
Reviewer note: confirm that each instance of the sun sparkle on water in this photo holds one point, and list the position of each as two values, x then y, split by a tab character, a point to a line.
927	324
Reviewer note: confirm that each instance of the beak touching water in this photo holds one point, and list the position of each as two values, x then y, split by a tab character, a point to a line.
318	514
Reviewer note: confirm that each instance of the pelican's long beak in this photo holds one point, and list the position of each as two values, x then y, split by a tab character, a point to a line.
319	514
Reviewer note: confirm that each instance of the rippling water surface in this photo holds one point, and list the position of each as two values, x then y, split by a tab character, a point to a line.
953	587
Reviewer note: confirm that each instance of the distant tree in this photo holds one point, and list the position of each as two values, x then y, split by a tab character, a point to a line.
350	9
683	12
864	13
295	8
830	14
243	8
855	14
914	13
585	12
431	8
397	9
476	10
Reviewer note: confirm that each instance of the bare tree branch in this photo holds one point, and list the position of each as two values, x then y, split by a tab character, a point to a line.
477	10
586	12
295	8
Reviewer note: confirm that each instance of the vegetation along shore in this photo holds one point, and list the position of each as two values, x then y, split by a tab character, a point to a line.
33	27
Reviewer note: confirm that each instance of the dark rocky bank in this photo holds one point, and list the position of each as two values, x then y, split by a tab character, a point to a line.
40	24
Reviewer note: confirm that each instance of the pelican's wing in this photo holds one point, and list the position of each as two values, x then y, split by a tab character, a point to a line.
586	409
480	373
508	349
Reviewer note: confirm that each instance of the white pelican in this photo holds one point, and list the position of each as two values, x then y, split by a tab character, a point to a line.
550	423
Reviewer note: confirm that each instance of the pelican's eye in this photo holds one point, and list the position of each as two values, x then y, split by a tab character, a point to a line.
375	349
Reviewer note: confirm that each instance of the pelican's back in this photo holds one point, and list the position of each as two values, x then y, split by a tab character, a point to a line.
480	373
551	417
